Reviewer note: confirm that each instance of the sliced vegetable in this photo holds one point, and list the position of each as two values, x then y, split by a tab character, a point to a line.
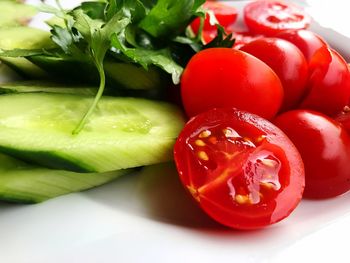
122	132
35	86
241	169
15	14
24	183
224	14
269	17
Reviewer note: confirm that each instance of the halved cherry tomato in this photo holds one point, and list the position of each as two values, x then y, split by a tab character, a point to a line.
324	146
328	89
225	14
269	17
308	42
287	61
224	77
242	170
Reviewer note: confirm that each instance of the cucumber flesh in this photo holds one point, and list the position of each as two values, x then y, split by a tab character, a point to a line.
37	86
24	38
121	133
15	14
25	68
24	183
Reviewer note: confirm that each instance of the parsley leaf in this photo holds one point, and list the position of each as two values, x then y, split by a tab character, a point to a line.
169	17
97	34
145	57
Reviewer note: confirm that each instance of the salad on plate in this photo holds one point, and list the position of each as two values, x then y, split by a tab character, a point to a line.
254	119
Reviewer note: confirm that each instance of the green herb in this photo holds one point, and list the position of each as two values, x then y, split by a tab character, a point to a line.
143	32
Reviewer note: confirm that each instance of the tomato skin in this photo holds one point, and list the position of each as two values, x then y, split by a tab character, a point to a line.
243	38
308	42
217	167
226	15
324	146
344	118
328	88
288	63
224	77
269	17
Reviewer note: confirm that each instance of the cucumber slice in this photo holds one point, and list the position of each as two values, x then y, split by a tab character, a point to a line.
24	183
24	38
15	14
24	68
117	73
35	86
122	132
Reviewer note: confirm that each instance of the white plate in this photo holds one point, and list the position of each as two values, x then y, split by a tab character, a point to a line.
147	217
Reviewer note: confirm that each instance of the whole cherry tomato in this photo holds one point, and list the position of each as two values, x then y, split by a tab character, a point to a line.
242	170
224	77
287	61
324	146
344	118
269	17
225	14
308	42
328	89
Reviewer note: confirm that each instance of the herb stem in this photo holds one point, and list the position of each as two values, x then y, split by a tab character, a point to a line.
98	96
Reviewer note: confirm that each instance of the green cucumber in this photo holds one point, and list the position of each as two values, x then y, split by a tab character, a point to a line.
118	74
121	133
25	68
15	14
24	38
24	183
37	86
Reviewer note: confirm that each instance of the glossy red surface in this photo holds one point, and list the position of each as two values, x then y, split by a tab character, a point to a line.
288	63
324	146
224	77
242	170
269	17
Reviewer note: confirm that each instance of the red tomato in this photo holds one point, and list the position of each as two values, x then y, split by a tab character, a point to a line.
224	77
269	17
243	171
324	146
344	118
328	89
243	38
287	61
225	14
307	41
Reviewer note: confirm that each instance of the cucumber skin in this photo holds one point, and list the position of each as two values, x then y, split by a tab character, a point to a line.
39	86
28	184
100	151
49	159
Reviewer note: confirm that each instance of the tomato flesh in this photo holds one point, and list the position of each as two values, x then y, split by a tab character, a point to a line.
269	17
242	170
224	77
288	63
225	14
324	146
